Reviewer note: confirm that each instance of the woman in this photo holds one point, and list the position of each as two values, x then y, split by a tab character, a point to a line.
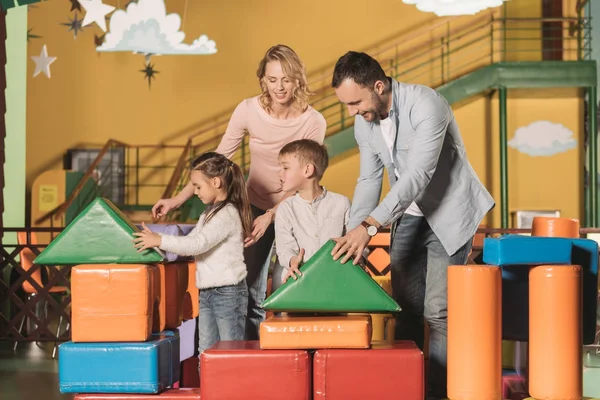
280	114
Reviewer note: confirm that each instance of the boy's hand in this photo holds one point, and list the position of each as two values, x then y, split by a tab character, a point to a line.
295	266
146	239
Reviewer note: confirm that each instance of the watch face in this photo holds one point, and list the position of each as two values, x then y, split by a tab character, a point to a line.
372	230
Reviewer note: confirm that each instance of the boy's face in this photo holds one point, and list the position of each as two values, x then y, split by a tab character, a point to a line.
292	173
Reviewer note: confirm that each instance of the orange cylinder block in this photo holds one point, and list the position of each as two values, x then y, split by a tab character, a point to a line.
474	332
555	227
555	333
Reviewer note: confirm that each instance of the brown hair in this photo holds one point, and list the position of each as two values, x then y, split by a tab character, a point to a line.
293	68
215	165
308	151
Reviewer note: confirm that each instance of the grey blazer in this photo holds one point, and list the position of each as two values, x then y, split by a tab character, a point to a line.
432	163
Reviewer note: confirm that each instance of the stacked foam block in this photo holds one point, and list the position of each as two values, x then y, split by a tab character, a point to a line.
549	302
128	334
318	345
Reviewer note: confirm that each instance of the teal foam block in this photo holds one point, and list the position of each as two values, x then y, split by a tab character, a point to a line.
516	254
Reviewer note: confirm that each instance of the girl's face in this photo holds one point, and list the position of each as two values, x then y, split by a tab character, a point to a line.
281	88
207	189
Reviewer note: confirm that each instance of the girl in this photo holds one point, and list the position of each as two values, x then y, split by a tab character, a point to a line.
217	242
279	115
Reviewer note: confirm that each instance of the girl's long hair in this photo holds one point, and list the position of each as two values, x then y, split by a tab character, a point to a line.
215	165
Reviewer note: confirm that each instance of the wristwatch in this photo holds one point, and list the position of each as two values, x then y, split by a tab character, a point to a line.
371	229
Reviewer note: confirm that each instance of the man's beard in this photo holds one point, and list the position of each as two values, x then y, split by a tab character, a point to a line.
379	112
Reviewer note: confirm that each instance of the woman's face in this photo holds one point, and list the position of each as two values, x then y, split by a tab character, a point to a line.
280	87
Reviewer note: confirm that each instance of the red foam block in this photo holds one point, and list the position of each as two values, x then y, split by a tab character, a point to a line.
382	372
189	375
237	370
171	394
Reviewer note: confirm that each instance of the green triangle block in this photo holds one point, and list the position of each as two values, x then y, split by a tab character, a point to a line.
330	286
100	234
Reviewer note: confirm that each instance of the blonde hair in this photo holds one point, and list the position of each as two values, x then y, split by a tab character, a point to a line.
293	68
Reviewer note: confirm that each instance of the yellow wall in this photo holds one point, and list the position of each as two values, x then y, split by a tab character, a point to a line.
92	97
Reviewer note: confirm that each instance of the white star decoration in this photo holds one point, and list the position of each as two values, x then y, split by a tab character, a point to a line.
95	11
42	62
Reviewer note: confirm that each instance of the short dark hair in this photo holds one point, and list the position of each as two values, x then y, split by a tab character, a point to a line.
363	69
308	151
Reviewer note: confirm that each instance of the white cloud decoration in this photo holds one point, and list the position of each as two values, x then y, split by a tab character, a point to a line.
146	28
443	8
543	138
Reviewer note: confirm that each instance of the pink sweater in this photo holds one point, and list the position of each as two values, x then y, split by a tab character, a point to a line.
267	136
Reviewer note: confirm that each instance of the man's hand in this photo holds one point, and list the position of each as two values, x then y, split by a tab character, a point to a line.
295	266
146	239
353	244
259	227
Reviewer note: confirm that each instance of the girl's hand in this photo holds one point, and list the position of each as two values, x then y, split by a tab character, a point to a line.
146	239
259	227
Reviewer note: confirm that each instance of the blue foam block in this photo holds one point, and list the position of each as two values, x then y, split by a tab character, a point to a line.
515	254
526	250
136	368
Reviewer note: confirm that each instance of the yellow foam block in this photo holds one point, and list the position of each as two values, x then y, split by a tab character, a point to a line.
384	328
112	303
316	332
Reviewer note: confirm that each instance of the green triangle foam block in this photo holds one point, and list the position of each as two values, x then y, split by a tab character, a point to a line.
100	234
330	286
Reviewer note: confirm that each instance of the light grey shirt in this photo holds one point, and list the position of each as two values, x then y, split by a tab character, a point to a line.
433	169
308	225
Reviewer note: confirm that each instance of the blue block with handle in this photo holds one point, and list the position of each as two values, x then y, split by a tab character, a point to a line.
135	368
516	254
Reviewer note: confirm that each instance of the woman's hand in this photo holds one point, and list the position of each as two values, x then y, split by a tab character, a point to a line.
163	207
259	227
146	239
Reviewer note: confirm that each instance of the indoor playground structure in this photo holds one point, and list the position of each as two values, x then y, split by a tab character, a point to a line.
329	334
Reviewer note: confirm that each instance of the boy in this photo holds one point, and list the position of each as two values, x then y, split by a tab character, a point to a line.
307	220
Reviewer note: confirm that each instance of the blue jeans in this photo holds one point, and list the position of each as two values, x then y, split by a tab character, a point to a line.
419	266
222	314
257	258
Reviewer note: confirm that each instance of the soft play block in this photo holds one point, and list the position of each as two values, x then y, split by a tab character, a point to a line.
526	250
112	303
172	230
172	280
237	370
147	367
189	376
190	303
330	286
187	339
101	234
316	332
386	372
516	253
171	394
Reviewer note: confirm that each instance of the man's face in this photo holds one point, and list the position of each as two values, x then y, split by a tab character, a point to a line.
361	100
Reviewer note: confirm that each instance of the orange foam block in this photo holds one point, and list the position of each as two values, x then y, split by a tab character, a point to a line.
174	286
555	227
181	394
190	304
555	332
316	332
474	332
112	303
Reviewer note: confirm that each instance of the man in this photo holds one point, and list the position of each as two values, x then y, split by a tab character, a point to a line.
435	203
